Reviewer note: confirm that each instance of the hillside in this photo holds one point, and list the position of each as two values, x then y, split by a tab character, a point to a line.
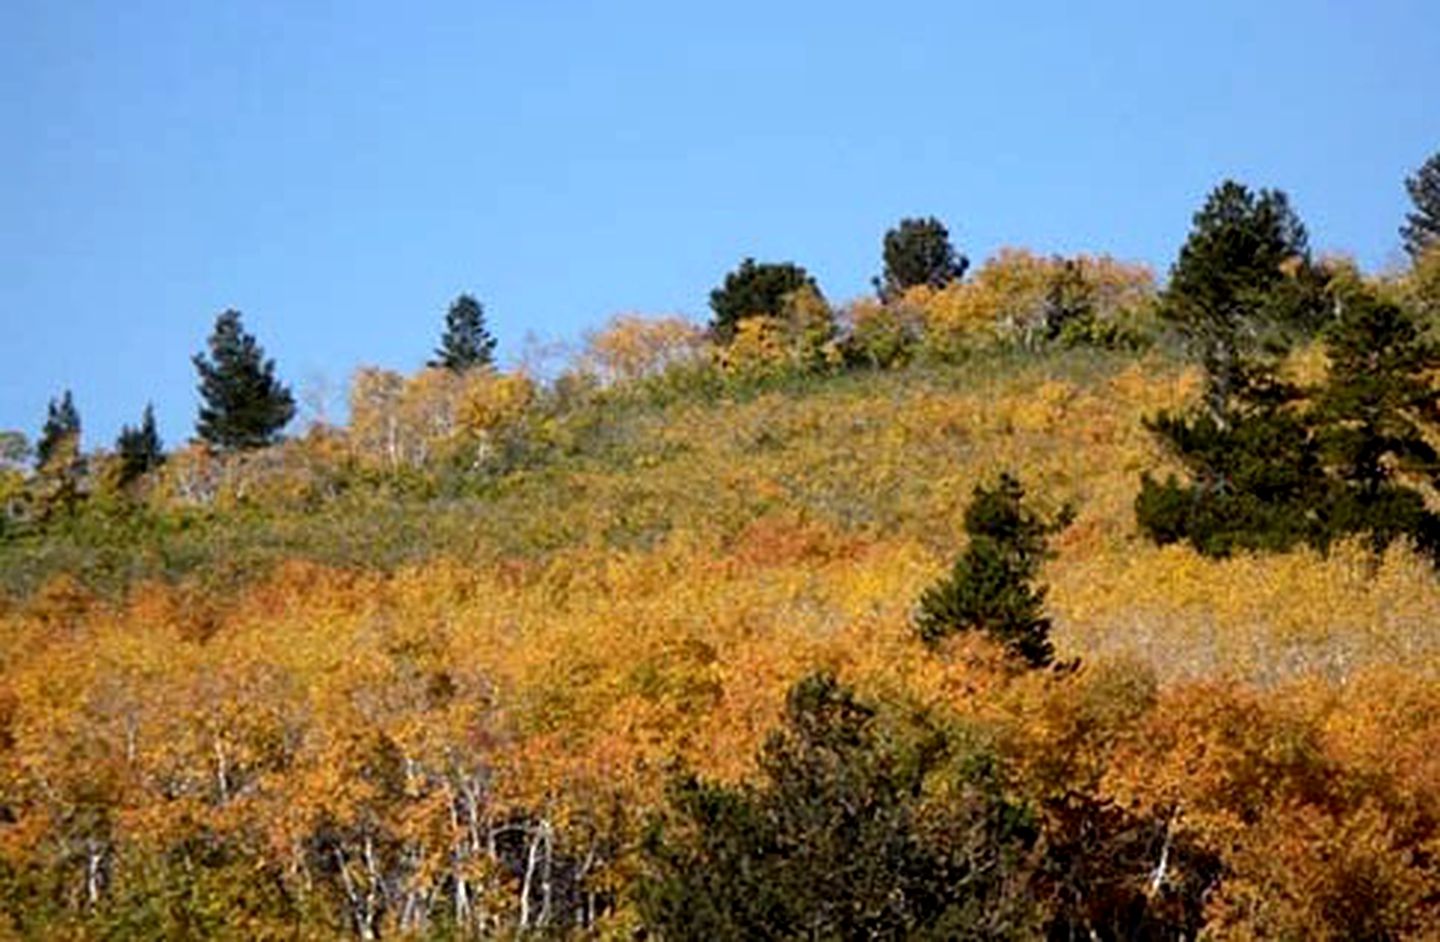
378	703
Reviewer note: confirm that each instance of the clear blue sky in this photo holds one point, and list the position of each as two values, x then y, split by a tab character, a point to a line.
340	171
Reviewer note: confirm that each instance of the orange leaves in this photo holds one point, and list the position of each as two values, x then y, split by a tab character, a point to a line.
1326	877
343	708
1316	838
649	600
787	539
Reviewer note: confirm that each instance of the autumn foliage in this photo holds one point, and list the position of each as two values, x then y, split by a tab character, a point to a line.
633	653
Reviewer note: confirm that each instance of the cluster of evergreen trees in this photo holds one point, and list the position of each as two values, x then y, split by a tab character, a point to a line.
916	252
1271	463
243	404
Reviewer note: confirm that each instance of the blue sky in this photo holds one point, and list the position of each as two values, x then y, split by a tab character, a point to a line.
340	171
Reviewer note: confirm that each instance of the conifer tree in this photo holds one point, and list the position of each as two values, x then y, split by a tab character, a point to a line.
989	589
139	449
1422	227
466	343
62	428
1242	280
243	405
755	290
918	252
836	839
1253	484
1242	289
1372	417
57	488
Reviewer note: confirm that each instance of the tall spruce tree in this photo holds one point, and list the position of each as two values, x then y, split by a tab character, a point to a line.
243	405
990	587
1422	226
61	431
139	449
466	343
918	252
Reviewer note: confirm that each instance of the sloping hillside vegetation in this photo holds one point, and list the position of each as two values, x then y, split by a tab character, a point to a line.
633	654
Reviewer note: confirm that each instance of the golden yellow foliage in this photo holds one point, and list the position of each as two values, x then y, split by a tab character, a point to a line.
1009	294
631	347
355	736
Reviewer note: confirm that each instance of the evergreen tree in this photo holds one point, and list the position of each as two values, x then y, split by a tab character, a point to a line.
243	405
755	290
61	431
1253	484
57	489
466	343
139	449
1422	227
918	252
1277	476
989	589
1243	280
1372	419
1242	289
840	839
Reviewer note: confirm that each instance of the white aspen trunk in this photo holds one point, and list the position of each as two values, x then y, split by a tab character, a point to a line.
415	900
457	858
532	863
359	908
537	863
462	898
94	858
1157	876
546	882
372	890
475	826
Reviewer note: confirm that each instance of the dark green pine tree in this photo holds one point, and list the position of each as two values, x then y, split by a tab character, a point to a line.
755	290
242	404
1253	484
466	343
1242	289
1422	227
1372	419
918	252
990	587
139	449
1243	283
61	429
